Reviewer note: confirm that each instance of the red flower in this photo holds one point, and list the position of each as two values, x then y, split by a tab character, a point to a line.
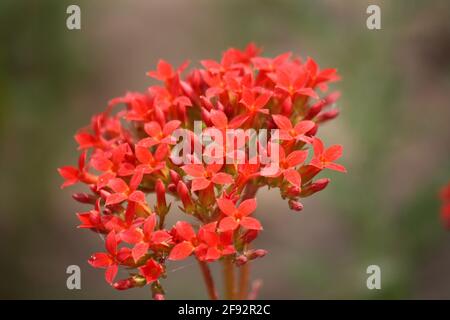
445	211
208	245
288	133
73	175
151	270
143	238
124	192
239	216
189	241
109	260
255	104
159	135
294	82
203	177
324	158
287	166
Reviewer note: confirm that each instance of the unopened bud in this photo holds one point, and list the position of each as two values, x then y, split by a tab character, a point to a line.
241	260
174	177
185	197
249	236
160	194
258	253
314	187
326	116
84	198
295	205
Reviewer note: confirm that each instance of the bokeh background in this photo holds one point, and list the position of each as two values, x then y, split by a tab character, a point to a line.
394	125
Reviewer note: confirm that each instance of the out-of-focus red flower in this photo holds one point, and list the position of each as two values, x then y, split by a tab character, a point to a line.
323	158
445	210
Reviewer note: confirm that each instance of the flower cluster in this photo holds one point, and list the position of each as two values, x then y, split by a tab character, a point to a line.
126	154
445	210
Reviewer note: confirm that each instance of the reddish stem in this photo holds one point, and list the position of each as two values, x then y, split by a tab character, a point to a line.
209	282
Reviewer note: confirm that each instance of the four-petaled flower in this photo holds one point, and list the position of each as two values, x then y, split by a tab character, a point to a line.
237	216
324	158
203	177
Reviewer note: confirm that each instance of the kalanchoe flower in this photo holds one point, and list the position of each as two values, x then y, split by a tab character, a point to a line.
445	210
126	155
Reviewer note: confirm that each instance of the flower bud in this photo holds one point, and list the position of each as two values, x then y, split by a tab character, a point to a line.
314	187
84	198
174	177
160	194
258	253
185	197
241	260
315	110
295	205
326	116
249	236
293	191
132	282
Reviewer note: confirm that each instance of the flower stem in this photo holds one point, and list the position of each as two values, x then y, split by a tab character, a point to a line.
244	277
228	272
206	272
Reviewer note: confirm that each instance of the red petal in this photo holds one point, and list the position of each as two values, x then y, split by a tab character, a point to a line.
247	98
170	127
115	198
262	100
318	146
282	122
222	178
228	224
100	260
101	163
111	243
250	223
336	167
111	273
237	121
131	235
212	254
185	230
226	206
153	129
333	152
304	126
247	207
160	237
218	118
137	196
149	225
296	157
181	251
165	70
308	92
136	179
194	170
118	185
68	172
200	184
143	154
139	251
151	271
293	177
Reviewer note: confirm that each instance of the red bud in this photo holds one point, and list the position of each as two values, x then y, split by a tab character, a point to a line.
295	205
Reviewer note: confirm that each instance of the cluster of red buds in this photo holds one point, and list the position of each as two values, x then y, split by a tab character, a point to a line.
445	209
128	153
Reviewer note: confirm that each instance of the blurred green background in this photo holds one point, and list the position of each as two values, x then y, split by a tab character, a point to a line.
394	126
